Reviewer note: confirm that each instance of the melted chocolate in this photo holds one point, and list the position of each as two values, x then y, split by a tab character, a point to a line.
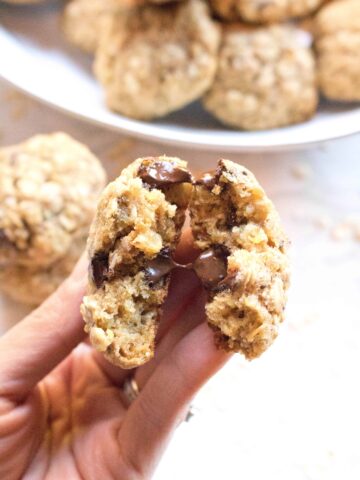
211	266
162	173
210	179
160	267
99	268
207	180
226	284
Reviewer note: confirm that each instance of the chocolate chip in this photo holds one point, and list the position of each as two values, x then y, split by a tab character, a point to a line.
211	266
210	179
207	180
162	173
226	284
231	219
99	268
160	267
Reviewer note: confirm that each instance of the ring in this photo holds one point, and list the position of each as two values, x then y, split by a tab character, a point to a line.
131	390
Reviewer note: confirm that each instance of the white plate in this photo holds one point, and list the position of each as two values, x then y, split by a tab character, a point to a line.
35	58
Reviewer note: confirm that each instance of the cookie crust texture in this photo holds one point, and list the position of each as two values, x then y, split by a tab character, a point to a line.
146	74
243	263
266	78
32	285
337	34
258	11
84	20
49	187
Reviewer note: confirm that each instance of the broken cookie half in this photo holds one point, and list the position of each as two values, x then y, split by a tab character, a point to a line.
243	263
244	266
136	228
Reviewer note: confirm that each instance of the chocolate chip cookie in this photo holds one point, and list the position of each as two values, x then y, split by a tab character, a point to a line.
156	59
260	11
265	79
244	264
337	31
49	187
136	228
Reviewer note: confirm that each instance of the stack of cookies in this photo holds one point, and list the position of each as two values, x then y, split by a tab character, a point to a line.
49	187
249	61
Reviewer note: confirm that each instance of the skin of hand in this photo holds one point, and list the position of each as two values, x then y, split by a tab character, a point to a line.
62	411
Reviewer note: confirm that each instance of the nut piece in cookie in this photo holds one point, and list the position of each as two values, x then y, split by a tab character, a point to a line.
156	59
265	79
135	231
49	187
243	265
260	11
337	31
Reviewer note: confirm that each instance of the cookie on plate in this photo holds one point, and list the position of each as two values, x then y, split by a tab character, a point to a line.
83	21
156	59
244	264
49	187
258	11
337	31
265	79
31	285
136	228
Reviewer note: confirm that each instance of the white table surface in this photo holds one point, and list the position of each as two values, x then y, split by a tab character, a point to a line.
294	413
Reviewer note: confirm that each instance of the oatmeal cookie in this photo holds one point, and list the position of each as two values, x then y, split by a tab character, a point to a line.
31	285
337	31
156	59
49	186
260	11
83	21
265	79
244	263
136	228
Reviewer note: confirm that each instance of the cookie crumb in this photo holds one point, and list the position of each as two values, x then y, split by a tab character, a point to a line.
357	233
322	221
341	232
302	171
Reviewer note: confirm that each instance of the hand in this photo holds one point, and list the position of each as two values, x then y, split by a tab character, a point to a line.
62	411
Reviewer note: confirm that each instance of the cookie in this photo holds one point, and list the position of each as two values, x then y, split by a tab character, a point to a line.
337	30
31	285
258	11
49	187
244	264
83	21
265	79
136	228
156	59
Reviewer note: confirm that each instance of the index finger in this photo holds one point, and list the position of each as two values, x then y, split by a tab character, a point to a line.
186	251
33	347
